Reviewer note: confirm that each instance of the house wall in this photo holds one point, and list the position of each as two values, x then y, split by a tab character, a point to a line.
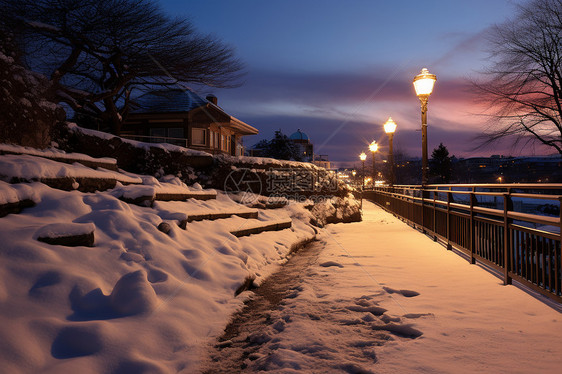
218	136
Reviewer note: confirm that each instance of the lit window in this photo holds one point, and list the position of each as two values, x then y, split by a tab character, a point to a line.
199	136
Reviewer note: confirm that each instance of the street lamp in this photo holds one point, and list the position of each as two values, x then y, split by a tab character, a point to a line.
363	157
354	173
373	147
390	128
423	84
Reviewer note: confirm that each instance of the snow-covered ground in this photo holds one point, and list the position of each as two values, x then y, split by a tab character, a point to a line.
380	297
383	298
139	300
30	168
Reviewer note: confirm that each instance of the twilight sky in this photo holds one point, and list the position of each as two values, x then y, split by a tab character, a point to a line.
338	69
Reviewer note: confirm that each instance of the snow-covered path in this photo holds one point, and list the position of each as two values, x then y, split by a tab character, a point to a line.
382	297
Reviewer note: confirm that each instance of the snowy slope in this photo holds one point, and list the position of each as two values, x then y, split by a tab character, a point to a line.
138	301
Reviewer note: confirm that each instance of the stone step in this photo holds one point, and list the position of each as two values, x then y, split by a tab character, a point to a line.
197	195
63	176
215	216
269	205
146	195
262	226
67	158
15	207
67	234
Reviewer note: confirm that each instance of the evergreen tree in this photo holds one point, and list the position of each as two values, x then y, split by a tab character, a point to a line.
280	147
440	165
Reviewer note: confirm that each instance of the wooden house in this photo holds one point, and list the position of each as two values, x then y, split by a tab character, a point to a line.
181	117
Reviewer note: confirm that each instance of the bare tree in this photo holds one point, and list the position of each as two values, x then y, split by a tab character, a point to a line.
96	52
523	85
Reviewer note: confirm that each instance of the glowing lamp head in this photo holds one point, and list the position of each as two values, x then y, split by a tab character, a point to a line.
390	126
353	173
423	83
362	156
373	146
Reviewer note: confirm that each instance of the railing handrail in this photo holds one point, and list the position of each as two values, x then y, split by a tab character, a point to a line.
484	185
502	232
526	217
166	138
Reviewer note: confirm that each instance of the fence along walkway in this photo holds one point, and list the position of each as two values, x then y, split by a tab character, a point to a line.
514	228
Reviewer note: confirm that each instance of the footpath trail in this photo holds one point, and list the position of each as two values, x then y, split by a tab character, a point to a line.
380	297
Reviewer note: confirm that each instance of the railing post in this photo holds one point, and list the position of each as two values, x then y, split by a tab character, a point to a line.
472	227
434	218
423	209
411	209
507	206
449	247
560	224
560	221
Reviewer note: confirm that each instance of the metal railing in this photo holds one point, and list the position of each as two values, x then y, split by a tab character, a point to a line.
513	228
182	142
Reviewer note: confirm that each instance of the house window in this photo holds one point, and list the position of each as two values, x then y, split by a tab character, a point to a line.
158	134
212	140
175	132
199	136
217	144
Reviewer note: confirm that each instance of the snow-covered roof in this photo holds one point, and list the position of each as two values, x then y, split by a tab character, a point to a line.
182	101
166	101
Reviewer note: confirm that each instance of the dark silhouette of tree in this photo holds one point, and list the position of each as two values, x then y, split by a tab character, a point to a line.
440	165
523	85
97	53
26	118
280	147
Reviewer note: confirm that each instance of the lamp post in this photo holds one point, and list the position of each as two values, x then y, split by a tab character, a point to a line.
390	128
354	173
373	147
423	84
362	157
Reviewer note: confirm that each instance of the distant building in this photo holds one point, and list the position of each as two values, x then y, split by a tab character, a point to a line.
181	117
500	169
322	161
306	147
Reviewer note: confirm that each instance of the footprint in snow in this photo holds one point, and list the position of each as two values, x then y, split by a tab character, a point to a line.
331	263
417	315
405	293
404	331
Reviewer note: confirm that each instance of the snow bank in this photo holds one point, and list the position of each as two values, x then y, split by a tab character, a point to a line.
13	193
140	300
53	153
265	161
31	168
